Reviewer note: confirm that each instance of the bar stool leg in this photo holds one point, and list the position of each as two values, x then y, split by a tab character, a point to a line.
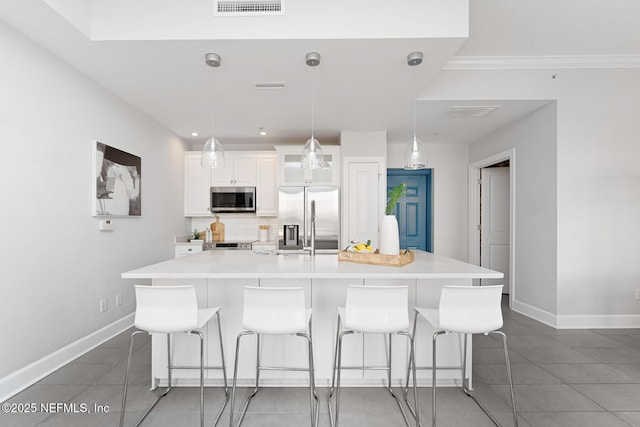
409	370
508	363
235	380
224	372
433	379
201	375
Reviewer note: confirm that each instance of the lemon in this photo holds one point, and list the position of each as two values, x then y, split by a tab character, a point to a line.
360	246
369	247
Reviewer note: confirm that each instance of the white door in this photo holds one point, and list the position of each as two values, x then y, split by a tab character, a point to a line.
494	220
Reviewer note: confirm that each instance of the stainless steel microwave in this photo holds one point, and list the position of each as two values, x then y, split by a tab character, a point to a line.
233	199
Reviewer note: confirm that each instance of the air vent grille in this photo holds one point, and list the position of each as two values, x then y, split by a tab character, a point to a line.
249	8
270	85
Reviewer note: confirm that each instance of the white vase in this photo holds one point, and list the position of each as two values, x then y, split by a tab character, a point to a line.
389	236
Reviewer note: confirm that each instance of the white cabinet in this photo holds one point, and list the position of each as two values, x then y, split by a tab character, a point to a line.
267	186
184	249
197	183
290	171
239	170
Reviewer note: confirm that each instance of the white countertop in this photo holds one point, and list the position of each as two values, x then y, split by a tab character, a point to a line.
247	264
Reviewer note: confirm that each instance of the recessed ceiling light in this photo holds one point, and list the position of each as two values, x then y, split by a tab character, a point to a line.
262	132
194	133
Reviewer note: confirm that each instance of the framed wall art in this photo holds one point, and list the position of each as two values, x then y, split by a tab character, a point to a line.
117	182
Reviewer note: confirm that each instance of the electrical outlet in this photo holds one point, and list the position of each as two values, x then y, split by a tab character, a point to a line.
103	305
637	293
118	299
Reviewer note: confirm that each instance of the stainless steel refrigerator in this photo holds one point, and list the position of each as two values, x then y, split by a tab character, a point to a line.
294	218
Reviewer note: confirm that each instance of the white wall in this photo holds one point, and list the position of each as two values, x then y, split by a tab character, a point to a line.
534	138
598	180
56	265
449	164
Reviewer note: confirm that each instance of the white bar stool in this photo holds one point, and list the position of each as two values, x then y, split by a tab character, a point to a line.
372	310
466	310
169	310
275	311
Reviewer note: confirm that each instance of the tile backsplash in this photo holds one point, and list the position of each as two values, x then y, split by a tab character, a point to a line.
238	226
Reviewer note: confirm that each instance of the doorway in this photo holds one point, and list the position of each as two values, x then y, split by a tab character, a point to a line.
414	211
475	220
494	222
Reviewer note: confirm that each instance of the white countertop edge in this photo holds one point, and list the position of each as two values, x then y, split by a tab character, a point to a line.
309	276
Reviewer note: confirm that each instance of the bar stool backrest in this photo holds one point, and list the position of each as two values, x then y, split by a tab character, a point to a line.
377	309
274	310
471	309
166	309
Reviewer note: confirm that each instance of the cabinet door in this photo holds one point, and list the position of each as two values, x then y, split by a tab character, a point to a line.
291	172
266	186
196	186
223	177
329	175
239	171
244	169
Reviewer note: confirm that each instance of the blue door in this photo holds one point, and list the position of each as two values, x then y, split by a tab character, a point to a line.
414	210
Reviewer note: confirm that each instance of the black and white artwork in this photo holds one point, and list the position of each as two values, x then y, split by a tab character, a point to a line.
117	177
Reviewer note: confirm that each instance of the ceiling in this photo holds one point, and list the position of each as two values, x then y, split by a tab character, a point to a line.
361	84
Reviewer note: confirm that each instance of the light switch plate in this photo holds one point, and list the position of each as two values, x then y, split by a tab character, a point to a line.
105	225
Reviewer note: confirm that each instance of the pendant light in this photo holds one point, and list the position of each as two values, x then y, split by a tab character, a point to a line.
414	153
312	156
212	153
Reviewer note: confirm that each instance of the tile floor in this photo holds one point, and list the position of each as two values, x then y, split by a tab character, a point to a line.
563	378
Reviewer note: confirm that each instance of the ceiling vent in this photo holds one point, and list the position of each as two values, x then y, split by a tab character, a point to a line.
248	8
270	85
469	112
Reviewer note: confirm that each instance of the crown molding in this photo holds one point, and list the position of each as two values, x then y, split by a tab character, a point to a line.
541	62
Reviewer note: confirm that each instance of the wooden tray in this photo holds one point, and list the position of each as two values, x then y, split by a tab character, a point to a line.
375	258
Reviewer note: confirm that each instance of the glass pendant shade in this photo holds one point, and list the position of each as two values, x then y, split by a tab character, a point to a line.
414	155
312	156
212	154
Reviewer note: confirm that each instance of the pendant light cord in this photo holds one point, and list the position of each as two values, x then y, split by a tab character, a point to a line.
312	101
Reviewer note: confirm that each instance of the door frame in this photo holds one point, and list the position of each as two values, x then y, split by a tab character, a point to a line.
474	212
428	173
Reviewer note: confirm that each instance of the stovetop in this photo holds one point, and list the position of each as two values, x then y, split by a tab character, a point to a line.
241	245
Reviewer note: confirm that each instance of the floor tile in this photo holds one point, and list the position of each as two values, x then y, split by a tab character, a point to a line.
555	355
612	355
631	418
587	341
547	398
522	373
633	370
613	397
533	341
573	419
584	373
103	356
85	373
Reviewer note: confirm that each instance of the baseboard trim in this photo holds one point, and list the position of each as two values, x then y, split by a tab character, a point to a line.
17	381
578	321
534	312
603	321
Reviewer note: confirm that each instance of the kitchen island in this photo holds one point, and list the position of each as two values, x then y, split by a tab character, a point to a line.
219	277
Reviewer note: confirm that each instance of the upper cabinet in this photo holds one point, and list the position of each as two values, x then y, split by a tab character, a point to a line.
267	188
242	169
291	173
239	170
197	184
